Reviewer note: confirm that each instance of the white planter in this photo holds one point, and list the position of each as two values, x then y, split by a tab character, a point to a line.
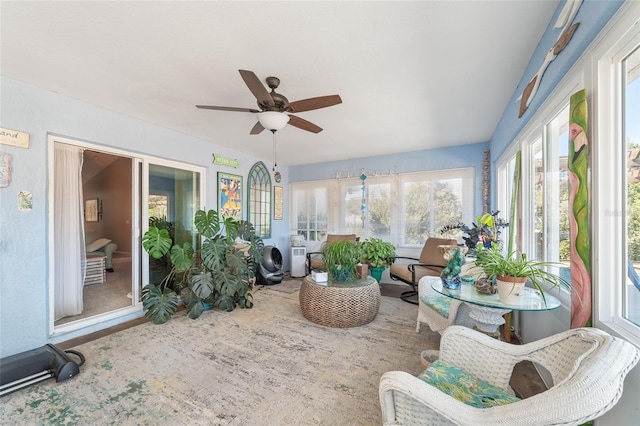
510	289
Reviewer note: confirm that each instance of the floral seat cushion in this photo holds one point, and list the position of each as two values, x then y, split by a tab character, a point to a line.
437	302
462	386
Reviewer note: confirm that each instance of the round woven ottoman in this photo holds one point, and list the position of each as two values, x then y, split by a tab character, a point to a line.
340	304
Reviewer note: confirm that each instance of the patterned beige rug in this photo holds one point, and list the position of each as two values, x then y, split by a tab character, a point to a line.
266	365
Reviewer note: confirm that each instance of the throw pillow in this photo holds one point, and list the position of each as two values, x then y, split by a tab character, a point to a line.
461	385
97	244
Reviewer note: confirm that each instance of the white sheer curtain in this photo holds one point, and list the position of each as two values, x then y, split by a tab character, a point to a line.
70	255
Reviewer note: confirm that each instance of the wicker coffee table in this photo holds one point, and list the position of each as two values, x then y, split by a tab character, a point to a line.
340	304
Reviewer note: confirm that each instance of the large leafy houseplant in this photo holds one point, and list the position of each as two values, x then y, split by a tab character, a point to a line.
220	273
505	267
376	253
485	230
340	260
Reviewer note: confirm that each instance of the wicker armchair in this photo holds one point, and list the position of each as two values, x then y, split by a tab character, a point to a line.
587	367
458	312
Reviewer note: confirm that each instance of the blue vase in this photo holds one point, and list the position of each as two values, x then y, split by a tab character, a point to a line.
452	283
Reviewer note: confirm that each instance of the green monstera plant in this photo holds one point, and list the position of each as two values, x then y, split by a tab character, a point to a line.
219	274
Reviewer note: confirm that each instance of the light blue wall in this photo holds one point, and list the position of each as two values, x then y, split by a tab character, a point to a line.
408	162
592	16
24	269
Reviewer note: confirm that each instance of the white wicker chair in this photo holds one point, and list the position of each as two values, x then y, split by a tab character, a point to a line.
587	366
458	311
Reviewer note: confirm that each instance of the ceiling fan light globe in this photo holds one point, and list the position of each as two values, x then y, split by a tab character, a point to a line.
273	120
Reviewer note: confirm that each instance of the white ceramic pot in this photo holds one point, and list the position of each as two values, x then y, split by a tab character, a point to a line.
297	240
510	289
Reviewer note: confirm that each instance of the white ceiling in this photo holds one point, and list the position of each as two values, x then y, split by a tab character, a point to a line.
412	75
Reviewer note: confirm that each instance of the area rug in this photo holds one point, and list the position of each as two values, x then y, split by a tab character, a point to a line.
266	365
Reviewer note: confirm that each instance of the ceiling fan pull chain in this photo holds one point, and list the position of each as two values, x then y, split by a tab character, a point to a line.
275	163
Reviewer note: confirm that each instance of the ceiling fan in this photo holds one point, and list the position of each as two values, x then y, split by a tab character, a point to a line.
275	109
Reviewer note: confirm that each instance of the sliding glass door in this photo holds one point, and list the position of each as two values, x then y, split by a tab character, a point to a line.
173	198
98	264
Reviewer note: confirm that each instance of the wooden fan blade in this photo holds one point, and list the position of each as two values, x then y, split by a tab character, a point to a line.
256	129
257	88
221	108
313	103
303	124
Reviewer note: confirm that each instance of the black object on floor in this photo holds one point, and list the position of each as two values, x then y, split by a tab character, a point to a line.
270	270
27	368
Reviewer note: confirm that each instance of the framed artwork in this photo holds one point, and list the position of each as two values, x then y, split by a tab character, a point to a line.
92	210
277	203
230	195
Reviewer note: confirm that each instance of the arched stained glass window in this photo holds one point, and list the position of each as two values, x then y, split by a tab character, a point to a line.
259	199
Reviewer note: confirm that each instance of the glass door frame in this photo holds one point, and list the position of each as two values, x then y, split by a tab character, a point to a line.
139	225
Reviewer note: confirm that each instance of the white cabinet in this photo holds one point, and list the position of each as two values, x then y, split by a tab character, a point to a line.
298	260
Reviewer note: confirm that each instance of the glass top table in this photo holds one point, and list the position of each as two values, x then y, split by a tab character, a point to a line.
360	282
487	309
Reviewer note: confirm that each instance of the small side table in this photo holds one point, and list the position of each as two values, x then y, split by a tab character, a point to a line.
95	273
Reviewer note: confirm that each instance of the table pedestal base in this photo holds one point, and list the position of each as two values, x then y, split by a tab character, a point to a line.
488	320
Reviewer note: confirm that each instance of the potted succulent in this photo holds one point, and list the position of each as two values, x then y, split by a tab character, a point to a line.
340	260
377	254
511	271
220	273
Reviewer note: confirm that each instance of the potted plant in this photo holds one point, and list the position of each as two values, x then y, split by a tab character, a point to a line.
512	270
377	254
340	260
220	273
485	230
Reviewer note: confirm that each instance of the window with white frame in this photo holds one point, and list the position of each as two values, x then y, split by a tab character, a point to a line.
543	210
367	210
432	200
631	138
310	209
504	194
610	73
404	210
617	166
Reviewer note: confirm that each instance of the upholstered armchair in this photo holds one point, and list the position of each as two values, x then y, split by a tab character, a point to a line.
314	258
409	270
587	368
101	247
